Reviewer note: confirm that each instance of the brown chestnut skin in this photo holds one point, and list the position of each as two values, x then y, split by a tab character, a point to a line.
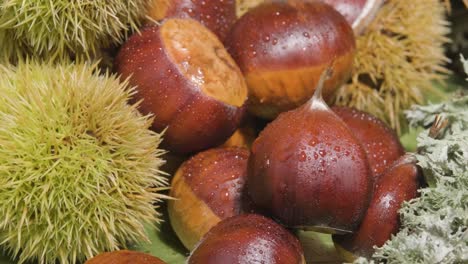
399	184
216	15
187	80
380	142
207	188
248	238
282	48
309	171
124	257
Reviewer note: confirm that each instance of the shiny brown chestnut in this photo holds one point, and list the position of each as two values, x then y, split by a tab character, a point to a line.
283	47
399	184
380	142
218	16
309	170
207	188
248	238
187	80
124	257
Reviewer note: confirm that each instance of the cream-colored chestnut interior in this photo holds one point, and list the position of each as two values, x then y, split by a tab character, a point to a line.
202	58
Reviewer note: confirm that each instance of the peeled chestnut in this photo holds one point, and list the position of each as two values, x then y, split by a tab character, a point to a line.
283	47
308	170
380	142
187	80
207	188
400	183
248	238
124	257
218	16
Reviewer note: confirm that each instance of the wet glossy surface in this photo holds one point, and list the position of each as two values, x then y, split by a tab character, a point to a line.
380	142
282	48
307	169
217	177
194	121
248	239
400	183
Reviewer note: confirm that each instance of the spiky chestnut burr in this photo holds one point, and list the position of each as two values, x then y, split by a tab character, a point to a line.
207	188
308	170
124	257
218	16
283	47
400	183
78	164
380	142
65	28
186	78
248	238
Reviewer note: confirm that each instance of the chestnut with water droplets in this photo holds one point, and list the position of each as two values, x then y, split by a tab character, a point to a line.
218	16
380	142
283	47
308	170
207	188
187	80
399	184
124	257
246	239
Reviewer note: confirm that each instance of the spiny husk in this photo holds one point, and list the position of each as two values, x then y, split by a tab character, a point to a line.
79	168
399	57
58	29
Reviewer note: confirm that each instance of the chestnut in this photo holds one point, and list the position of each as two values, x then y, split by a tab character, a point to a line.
359	13
308	170
380	142
400	183
283	47
218	16
244	135
187	80
248	238
206	189
124	257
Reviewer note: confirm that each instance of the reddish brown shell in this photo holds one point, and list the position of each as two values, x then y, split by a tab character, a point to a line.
308	170
248	239
400	183
380	142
